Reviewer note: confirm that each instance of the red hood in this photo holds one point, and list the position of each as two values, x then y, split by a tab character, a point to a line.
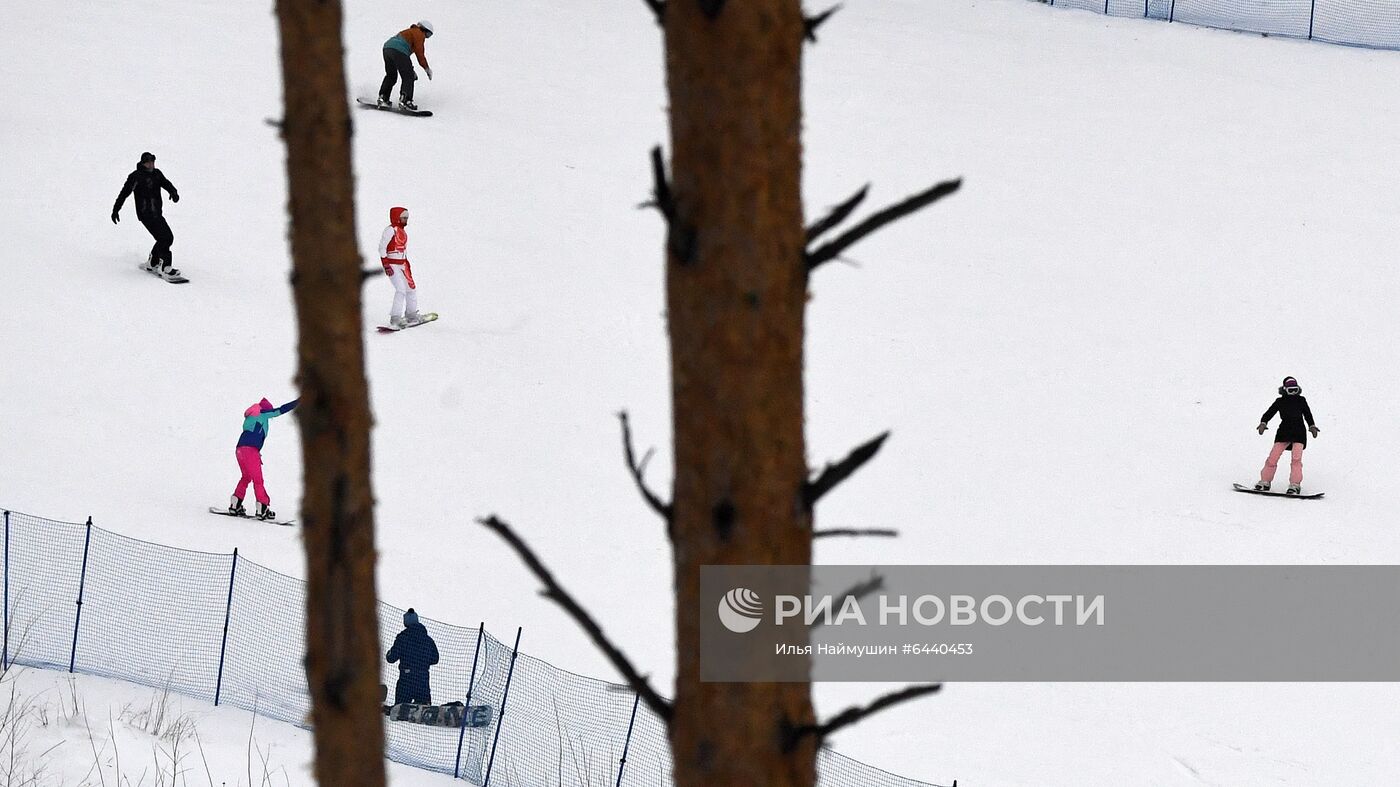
395	215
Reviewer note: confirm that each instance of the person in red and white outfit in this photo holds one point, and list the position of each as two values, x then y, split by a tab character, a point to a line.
393	254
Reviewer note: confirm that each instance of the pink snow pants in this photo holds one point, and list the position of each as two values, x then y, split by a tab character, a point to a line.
250	463
1295	472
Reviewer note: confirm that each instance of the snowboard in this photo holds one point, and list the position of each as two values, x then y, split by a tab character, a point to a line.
224	512
1301	496
177	279
427	318
453	714
418	113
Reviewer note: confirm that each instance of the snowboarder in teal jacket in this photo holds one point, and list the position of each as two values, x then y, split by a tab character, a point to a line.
249	454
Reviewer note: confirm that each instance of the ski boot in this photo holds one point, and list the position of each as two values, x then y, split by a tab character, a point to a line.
383	102
168	271
412	318
1262	486
1294	489
407	103
399	322
152	264
265	513
235	506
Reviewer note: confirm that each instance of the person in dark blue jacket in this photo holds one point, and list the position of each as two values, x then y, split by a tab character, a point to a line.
415	652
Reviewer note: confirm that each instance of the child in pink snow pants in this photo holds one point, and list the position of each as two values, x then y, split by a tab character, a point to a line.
1295	422
249	454
250	465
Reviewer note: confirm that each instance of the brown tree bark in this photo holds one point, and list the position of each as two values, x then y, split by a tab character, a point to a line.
342	627
736	292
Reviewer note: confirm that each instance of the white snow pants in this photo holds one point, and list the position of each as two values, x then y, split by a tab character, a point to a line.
405	293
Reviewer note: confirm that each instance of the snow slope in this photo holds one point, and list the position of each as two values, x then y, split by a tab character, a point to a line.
1158	223
81	731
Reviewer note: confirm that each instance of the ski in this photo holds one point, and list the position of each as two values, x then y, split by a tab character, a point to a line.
176	279
1300	496
418	113
427	318
225	512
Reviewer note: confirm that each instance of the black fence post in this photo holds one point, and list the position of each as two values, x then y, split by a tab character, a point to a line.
6	661
1144	8
467	710
223	645
501	715
82	581
1312	14
622	763
1171	12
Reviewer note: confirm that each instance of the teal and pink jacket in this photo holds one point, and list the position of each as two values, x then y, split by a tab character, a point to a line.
255	422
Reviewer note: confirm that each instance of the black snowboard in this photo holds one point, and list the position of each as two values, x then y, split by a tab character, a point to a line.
224	512
418	113
1300	496
176	279
453	714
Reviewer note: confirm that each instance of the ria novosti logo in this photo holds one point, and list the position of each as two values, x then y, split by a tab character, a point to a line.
740	610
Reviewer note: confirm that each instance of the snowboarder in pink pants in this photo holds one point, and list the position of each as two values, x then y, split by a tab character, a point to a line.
249	454
1295	422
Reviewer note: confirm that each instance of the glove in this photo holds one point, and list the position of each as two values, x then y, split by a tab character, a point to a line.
429	72
1263	428
174	197
116	218
388	271
1313	429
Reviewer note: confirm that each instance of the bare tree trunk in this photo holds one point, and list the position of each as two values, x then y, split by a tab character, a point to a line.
736	293
342	626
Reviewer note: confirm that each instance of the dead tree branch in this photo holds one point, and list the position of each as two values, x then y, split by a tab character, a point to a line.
856	531
639	469
859	591
832	475
833	249
554	592
855	714
680	239
661	188
837	215
811	23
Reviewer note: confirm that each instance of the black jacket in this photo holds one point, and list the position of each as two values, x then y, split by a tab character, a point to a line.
414	650
1293	411
147	184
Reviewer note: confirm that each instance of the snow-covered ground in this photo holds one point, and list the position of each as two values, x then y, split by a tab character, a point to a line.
1158	223
59	730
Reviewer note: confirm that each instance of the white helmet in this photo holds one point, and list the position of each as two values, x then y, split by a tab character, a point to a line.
426	25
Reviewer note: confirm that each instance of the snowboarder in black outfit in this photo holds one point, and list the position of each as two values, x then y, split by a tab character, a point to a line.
415	652
1295	422
147	181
